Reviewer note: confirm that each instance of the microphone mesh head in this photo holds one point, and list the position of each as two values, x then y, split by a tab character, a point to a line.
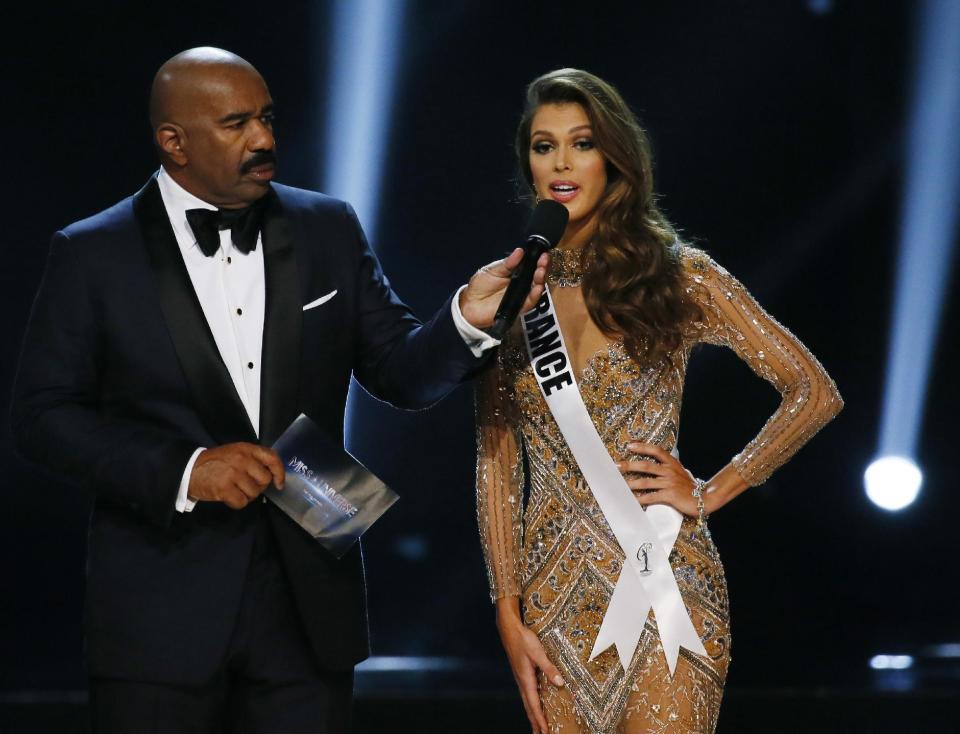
548	222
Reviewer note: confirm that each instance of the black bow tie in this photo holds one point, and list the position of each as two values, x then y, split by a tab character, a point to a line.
244	226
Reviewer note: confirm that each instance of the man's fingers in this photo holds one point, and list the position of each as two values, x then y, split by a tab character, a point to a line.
532	298
235	499
235	474
245	483
274	464
511	261
543	265
258	472
504	268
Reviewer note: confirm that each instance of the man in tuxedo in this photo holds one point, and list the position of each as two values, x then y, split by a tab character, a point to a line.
173	338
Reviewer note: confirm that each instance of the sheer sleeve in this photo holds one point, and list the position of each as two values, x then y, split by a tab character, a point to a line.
732	318
499	481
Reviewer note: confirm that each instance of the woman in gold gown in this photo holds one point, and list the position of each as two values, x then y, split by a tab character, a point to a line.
631	301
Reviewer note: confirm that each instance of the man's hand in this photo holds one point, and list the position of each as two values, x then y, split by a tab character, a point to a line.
481	298
235	474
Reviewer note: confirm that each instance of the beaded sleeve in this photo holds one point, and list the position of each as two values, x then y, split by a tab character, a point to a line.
499	481
732	318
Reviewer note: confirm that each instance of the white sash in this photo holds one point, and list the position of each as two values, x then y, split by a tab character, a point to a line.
646	537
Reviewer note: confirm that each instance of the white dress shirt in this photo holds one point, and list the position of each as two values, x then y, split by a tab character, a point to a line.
232	294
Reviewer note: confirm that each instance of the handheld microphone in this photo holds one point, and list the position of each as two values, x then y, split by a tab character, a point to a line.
544	230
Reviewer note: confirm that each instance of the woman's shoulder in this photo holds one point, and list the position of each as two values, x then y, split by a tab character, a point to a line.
695	261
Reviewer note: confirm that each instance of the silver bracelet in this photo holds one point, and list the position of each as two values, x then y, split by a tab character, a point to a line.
699	485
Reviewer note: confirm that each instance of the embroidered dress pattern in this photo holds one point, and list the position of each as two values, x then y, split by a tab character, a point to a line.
556	551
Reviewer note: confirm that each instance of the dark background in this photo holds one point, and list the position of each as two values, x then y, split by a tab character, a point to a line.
778	135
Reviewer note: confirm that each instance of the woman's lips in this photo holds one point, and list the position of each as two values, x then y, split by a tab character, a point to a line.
564	191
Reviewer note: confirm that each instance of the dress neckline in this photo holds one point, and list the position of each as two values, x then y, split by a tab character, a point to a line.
566	267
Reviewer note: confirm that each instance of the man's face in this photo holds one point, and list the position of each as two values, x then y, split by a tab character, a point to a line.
228	139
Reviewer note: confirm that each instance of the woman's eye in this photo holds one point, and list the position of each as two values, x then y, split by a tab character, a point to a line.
541	147
584	144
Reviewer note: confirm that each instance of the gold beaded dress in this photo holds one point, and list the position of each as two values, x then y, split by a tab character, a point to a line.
556	551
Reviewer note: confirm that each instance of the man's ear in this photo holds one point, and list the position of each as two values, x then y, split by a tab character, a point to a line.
171	140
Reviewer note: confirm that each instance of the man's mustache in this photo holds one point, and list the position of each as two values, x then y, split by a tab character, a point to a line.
260	158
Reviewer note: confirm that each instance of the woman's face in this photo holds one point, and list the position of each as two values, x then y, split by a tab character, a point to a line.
566	165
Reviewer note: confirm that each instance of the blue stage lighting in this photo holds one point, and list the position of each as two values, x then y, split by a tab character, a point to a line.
412	664
929	215
364	39
820	7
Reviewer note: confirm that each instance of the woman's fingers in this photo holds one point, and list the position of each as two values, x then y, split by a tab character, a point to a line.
645	483
549	669
643	467
531	699
649	449
652	498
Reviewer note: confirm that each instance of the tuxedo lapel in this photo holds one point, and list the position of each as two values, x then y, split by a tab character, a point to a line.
280	377
215	397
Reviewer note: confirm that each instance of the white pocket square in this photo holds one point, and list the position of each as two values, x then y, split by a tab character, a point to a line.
320	301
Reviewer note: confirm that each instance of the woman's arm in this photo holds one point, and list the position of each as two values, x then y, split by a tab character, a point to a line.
809	398
499	482
499	515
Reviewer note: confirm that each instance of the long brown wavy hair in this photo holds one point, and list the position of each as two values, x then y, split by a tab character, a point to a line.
633	286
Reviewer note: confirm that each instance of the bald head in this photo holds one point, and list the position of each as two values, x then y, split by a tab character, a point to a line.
212	119
189	74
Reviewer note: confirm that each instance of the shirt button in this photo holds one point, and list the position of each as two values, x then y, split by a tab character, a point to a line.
250	365
239	312
229	260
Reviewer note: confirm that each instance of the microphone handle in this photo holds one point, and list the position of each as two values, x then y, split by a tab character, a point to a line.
517	290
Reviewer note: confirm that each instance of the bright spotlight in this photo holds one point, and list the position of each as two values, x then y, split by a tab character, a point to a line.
892	482
927	232
891	662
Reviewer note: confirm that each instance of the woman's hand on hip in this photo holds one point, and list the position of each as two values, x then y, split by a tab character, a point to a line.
666	480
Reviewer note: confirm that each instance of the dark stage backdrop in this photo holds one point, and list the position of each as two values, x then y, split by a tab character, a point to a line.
778	139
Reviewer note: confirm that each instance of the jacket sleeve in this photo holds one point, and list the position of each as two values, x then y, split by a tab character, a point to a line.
397	358
56	418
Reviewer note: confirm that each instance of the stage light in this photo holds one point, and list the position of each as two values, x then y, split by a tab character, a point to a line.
928	222
820	7
944	650
412	664
412	547
364	40
892	482
891	662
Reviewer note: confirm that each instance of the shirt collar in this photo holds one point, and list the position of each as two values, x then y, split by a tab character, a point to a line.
176	200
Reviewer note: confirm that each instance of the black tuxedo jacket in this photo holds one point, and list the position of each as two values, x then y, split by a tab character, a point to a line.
120	380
